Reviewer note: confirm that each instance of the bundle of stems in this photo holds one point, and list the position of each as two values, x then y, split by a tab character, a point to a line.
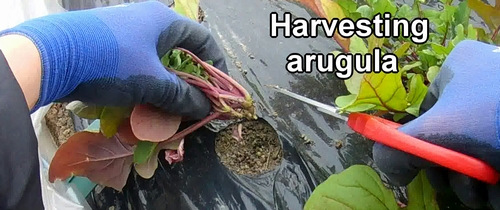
229	99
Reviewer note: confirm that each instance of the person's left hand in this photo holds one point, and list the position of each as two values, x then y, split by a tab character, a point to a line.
110	56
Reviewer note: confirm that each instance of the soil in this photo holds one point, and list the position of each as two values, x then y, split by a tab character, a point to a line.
258	152
60	123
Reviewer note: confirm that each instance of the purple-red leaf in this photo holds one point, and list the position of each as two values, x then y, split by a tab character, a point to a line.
126	135
153	124
104	161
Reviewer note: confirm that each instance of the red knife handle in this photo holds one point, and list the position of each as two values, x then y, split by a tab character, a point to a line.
385	132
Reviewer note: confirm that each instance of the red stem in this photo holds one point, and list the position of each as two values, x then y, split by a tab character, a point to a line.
214	100
207	68
190	129
210	90
186	75
218	110
218	83
232	87
214	83
227	85
202	84
232	98
494	36
217	71
232	81
223	103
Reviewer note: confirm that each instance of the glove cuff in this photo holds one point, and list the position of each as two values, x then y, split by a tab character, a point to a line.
65	48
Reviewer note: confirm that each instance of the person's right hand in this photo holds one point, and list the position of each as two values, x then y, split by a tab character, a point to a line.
461	112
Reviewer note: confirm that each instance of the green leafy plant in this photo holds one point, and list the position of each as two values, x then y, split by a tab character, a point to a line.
402	93
397	94
360	187
133	136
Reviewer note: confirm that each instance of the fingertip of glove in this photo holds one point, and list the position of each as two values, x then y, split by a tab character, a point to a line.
470	191
194	102
438	178
200	112
394	164
493	195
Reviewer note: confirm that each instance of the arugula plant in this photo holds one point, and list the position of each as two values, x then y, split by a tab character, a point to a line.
360	187
398	94
402	93
132	137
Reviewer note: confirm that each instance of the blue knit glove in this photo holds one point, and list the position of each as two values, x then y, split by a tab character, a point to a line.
111	56
461	112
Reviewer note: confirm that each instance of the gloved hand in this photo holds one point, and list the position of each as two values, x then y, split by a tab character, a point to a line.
111	56
460	112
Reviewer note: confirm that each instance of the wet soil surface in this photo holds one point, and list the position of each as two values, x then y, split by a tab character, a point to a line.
257	152
60	123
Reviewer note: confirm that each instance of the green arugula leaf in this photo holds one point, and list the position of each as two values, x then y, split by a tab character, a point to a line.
384	91
360	187
354	83
147	168
440	50
432	73
472	33
365	11
428	58
416	95
399	116
462	14
434	16
411	66
383	6
448	13
175	59
406	12
421	195
349	7
460	35
111	118
165	60
374	42
357	45
483	36
143	151
345	101
180	61
402	49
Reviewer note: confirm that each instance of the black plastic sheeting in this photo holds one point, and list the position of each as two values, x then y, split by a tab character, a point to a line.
201	181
